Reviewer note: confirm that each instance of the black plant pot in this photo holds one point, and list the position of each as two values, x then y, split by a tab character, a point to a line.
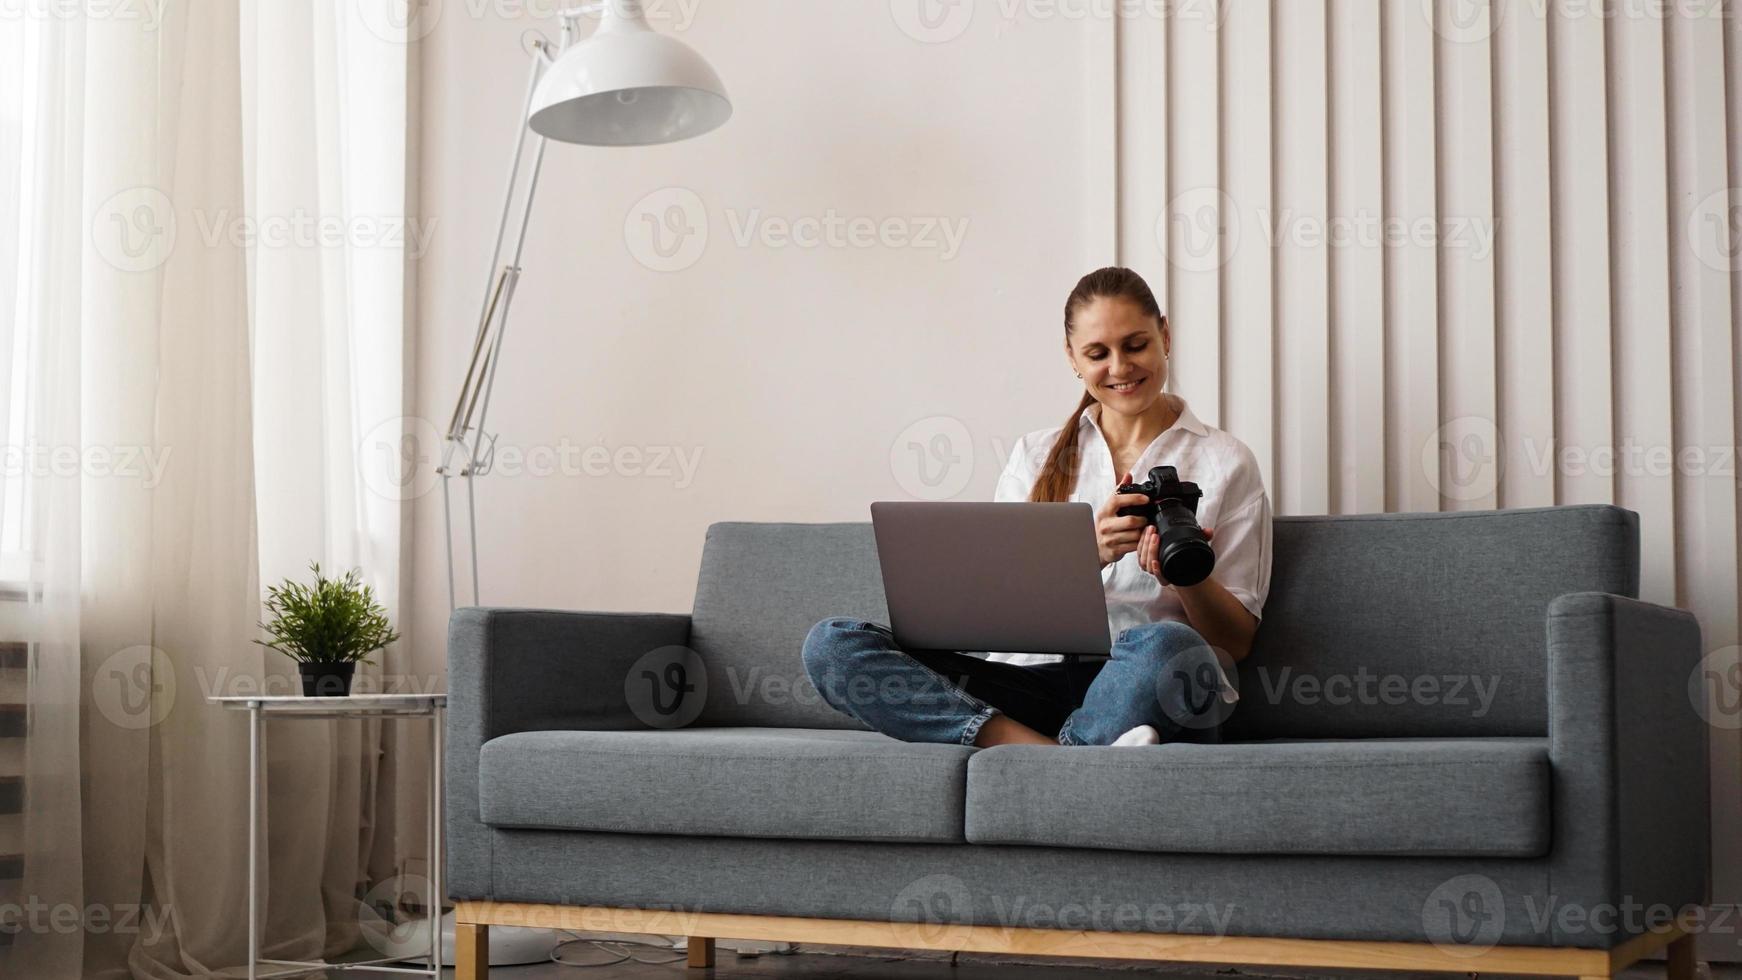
326	679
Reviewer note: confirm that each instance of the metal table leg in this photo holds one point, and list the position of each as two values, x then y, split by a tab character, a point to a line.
257	711
256	735
437	732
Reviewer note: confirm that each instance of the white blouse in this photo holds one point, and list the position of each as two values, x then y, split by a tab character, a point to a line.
1234	505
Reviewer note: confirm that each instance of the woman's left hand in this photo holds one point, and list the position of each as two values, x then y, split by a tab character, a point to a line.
1149	551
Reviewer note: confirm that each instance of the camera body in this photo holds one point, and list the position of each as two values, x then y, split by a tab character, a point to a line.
1186	556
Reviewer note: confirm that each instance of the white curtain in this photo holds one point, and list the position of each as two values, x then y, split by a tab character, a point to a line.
324	107
151	157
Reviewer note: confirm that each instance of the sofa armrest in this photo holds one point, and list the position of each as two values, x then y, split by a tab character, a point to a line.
518	670
1631	811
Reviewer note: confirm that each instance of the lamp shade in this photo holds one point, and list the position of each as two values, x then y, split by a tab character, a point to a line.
628	85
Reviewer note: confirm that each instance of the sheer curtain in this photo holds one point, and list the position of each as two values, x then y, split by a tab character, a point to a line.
324	88
152	157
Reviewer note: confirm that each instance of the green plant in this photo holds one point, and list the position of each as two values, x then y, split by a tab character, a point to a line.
332	621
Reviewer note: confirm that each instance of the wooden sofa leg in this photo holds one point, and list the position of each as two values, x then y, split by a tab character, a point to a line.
701	953
1681	959
471	951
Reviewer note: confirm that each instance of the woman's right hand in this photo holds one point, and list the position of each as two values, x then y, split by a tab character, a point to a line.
1115	536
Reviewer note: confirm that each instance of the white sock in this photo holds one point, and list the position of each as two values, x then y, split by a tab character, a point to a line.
1141	735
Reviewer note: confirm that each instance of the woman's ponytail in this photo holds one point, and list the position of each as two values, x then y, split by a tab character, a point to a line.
1058	476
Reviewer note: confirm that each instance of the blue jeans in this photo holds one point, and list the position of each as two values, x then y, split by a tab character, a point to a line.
1161	674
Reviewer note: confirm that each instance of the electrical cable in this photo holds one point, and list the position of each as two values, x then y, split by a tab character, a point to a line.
623	950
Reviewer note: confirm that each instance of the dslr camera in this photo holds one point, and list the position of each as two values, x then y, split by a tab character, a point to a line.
1186	557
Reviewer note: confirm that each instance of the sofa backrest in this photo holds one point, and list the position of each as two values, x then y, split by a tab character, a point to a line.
1376	625
762	587
1426	624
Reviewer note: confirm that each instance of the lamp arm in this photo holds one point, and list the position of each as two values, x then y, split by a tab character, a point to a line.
476	457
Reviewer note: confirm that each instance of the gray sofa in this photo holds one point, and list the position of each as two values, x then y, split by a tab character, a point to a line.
1458	730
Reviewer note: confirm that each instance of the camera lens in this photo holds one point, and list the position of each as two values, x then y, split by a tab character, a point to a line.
1188	561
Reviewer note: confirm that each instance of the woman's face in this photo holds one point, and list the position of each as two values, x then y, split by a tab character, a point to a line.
1120	352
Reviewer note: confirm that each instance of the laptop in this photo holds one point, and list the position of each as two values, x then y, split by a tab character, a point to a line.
1007	577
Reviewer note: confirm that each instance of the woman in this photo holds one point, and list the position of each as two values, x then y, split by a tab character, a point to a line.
1168	676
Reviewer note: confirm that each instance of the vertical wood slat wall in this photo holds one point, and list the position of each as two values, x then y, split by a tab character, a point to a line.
1562	183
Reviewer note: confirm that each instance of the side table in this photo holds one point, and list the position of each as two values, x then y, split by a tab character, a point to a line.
262	707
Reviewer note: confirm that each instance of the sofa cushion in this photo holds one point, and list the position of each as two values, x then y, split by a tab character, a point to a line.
1424	797
726	782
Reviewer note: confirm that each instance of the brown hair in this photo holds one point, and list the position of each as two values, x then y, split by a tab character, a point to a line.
1059	474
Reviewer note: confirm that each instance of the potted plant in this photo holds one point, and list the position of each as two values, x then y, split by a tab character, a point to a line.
327	628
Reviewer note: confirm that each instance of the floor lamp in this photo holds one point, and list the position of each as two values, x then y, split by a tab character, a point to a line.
624	85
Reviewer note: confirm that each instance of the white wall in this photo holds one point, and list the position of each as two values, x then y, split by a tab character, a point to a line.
795	373
1598	314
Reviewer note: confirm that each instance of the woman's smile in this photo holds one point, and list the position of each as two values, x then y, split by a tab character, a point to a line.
1126	387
